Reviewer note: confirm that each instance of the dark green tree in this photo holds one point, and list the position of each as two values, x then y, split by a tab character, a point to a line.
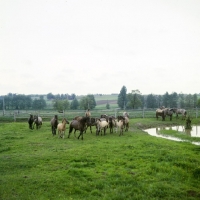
39	104
50	96
173	100
166	100
87	102
134	100
151	101
189	101
107	105
195	100
74	104
122	98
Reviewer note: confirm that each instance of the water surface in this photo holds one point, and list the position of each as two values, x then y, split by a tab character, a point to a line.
194	132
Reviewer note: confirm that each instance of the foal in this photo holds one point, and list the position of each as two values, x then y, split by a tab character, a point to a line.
62	127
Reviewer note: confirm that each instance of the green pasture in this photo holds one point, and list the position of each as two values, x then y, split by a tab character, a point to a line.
36	165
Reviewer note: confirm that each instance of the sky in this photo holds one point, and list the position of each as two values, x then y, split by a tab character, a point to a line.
99	46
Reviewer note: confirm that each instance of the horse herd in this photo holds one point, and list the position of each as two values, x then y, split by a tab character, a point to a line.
163	112
102	123
81	124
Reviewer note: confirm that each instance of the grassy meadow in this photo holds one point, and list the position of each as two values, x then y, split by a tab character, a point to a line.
36	165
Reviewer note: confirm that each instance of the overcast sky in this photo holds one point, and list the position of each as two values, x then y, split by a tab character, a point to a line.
99	46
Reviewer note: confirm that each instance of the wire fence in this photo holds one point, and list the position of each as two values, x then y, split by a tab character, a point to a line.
23	115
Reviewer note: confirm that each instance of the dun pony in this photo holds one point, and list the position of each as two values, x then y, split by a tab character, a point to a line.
62	127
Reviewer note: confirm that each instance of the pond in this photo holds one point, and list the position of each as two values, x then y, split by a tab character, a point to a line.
194	132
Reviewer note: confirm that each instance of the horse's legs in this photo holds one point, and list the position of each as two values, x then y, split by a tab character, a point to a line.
81	133
63	134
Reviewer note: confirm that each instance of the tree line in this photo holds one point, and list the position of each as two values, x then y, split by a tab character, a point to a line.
137	100
37	102
125	100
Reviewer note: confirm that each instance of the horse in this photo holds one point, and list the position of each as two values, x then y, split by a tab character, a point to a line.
90	123
30	121
37	121
101	126
111	123
62	127
183	112
160	112
168	112
87	113
77	118
109	119
125	114
164	112
78	125
119	124
125	121
54	123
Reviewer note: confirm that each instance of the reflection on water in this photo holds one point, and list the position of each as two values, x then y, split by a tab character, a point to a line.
194	132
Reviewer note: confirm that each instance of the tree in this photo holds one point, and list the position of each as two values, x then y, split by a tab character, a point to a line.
151	101
61	105
107	105
134	100
189	101
198	103
122	98
50	96
166	99
39	104
173	100
87	102
195	100
74	104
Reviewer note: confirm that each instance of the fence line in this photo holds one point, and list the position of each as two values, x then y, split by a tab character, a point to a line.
23	115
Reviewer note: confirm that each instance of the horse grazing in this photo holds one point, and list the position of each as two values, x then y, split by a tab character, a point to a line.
119	125
101	126
37	121
183	112
62	127
54	123
78	125
30	121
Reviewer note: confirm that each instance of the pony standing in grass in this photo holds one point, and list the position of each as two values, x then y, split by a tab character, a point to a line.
37	121
62	127
30	121
54	123
78	125
119	124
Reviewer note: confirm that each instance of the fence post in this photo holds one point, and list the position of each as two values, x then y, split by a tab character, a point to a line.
143	113
196	112
14	117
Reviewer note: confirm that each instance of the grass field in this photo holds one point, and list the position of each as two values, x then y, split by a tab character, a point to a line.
36	165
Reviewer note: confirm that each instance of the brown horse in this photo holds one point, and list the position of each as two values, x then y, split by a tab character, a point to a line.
78	125
54	123
30	121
